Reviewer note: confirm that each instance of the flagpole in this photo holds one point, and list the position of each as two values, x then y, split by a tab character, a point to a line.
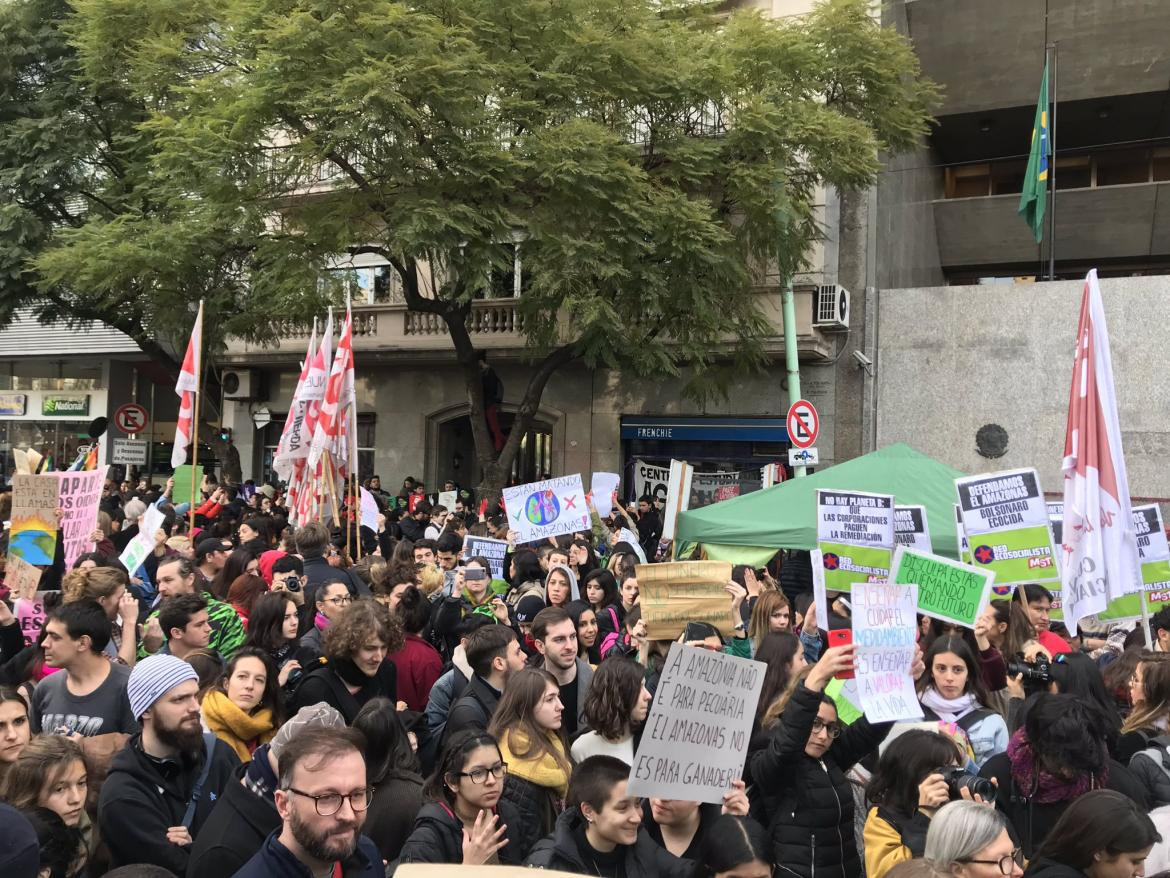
195	418
1052	168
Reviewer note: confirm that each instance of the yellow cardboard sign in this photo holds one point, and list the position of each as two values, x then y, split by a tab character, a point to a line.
679	592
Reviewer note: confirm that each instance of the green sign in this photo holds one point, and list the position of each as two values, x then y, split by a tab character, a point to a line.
1154	556
845	565
65	406
855	533
188	481
1005	520
947	590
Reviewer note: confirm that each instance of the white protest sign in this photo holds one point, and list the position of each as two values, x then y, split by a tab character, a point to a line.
649	480
695	740
1006	521
911	529
855	533
494	551
545	509
820	601
447	499
143	543
678	495
883	630
602	488
81	497
369	507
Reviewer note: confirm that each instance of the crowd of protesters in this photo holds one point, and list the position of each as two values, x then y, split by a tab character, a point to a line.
263	700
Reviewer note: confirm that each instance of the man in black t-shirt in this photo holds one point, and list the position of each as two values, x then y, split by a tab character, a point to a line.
555	634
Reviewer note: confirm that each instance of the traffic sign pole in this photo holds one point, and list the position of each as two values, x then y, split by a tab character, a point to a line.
790	353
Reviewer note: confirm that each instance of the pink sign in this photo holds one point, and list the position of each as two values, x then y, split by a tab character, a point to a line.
30	614
81	497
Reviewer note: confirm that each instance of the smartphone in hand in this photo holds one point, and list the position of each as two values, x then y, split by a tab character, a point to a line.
841	637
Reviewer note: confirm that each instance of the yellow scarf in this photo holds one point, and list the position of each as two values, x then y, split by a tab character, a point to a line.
544	770
234	727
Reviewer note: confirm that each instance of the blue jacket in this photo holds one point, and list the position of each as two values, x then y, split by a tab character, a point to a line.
274	860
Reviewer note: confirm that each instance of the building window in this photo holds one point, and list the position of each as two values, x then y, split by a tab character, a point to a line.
968	181
1122	166
507	279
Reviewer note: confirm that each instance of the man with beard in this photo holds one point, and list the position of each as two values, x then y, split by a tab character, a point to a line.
163	785
555	634
322	799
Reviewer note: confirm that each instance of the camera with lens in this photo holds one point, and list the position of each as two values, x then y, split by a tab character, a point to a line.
1036	675
959	779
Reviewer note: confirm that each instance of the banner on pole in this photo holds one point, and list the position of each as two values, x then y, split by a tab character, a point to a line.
855	536
678	495
696	737
1006	522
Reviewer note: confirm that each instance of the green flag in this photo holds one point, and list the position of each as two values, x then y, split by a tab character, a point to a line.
1034	196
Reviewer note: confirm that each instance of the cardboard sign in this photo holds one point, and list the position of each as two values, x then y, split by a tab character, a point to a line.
1154	557
602	488
545	509
884	629
696	737
30	615
947	590
911	529
81	498
33	535
493	550
188	485
855	534
1006	521
679	592
21	578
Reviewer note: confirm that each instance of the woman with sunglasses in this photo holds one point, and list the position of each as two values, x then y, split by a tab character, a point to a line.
464	820
801	771
970	840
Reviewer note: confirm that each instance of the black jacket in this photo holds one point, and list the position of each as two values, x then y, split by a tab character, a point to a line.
390	817
437	836
234	831
474	709
143	797
644	859
274	860
537	806
1032	821
323	684
317	570
807	802
1044	868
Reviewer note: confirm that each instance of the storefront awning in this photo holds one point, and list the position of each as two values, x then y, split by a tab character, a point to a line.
709	429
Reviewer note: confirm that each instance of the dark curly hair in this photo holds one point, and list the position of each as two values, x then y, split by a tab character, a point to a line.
612	696
362	621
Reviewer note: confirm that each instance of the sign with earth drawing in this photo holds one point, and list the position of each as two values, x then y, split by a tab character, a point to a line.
545	509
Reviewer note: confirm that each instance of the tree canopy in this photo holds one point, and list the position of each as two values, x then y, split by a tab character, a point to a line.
650	157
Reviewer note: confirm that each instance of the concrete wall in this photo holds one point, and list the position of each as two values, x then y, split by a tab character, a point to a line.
952	359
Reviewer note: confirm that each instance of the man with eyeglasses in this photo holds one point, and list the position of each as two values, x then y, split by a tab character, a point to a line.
322	798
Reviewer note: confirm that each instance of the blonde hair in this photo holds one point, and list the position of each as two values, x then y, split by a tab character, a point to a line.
429	578
1155	669
95	583
767	603
179	544
772	714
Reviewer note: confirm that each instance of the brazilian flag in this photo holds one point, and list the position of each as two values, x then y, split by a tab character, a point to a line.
1034	196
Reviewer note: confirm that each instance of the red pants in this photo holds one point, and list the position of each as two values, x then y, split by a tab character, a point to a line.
491	414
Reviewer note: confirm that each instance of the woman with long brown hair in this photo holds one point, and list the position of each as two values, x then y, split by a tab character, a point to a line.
1149	691
527	724
615	707
771	614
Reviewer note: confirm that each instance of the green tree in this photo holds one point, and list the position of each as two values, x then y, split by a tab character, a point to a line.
650	157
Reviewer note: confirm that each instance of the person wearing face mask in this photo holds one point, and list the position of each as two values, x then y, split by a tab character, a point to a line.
528	726
1103	834
601	831
683	827
245	707
801	773
356	646
617	705
969	840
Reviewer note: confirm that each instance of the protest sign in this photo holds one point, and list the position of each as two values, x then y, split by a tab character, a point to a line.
1056	521
695	739
649	480
1154	558
855	533
33	535
142	544
884	628
81	498
678	592
820	599
678	495
21	578
911	529
602	489
369	510
188	485
447	499
547	509
1006	521
30	614
947	590
961	537
493	550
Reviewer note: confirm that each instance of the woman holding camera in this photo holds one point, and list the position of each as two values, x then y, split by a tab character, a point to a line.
918	773
952	690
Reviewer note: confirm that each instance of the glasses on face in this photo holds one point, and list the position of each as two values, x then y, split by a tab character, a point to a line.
339	602
1006	864
330	803
479	775
833	730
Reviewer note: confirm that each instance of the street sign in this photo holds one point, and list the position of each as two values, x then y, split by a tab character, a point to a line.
803	457
131	418
129	452
262	417
803	424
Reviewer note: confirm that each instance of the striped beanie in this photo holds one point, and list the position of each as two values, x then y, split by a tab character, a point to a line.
151	679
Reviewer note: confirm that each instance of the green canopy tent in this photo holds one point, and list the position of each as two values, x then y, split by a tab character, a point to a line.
749	529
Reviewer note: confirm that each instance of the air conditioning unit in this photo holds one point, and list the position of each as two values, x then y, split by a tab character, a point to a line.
241	384
832	308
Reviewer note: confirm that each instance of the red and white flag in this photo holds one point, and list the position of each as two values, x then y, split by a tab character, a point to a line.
328	426
187	387
1099	552
293	445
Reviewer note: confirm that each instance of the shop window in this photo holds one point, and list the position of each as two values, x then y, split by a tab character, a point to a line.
1123	166
370	284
